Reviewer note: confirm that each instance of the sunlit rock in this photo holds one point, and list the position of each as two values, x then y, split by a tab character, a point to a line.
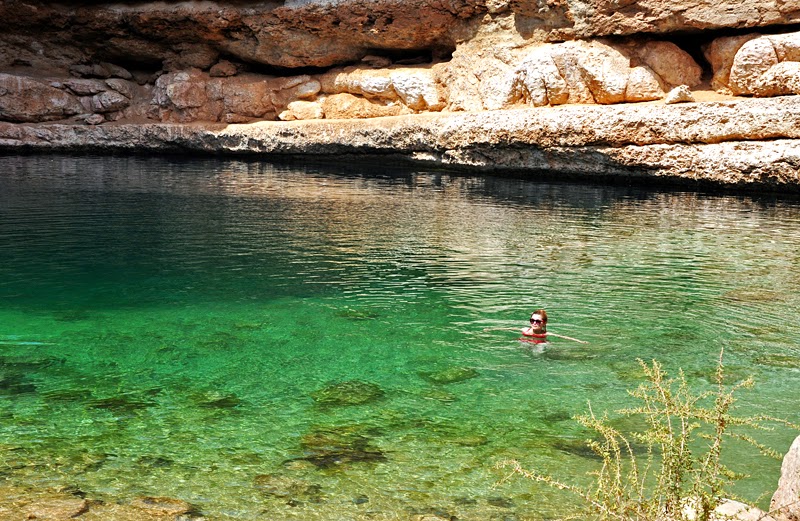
680	94
785	504
349	106
302	110
779	80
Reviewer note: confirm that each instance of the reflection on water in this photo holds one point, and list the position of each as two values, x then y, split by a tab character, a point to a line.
309	343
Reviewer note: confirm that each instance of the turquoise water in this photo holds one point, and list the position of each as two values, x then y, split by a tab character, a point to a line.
178	327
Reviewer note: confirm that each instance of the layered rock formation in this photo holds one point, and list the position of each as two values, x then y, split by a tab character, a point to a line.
136	65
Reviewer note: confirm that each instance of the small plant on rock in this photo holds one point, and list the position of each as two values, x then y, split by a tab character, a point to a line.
679	476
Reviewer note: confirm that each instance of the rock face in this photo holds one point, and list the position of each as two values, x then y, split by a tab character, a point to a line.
94	63
785	504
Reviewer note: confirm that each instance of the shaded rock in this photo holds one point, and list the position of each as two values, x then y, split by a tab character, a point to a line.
109	101
450	375
25	100
223	69
680	94
85	87
671	63
126	88
351	392
163	506
785	503
94	119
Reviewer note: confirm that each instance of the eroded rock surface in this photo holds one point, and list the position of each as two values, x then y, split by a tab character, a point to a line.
96	64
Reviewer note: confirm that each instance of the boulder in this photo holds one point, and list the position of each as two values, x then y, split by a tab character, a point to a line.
109	101
720	53
753	59
302	110
415	87
785	504
26	100
779	80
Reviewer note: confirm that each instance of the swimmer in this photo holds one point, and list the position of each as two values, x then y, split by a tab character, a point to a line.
537	332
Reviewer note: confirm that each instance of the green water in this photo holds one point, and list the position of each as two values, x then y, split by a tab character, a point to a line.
169	327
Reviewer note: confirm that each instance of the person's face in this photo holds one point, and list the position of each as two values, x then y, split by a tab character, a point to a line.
536	322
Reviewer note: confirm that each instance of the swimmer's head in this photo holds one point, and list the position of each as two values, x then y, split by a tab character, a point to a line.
539	319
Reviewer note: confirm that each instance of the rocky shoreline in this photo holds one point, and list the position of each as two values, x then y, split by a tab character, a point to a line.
740	143
689	93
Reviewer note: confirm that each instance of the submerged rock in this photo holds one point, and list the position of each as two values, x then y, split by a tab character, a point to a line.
164	506
331	447
286	487
351	392
450	375
55	508
216	400
778	360
121	404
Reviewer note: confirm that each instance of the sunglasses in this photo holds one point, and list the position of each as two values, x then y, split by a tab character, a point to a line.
536	321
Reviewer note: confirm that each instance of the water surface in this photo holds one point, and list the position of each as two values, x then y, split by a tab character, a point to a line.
169	327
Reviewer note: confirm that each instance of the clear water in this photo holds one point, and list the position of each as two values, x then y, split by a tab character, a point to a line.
166	327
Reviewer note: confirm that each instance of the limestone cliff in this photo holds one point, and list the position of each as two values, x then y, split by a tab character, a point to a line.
690	90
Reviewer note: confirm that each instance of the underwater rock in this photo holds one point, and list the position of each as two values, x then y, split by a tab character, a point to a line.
155	462
502	502
164	506
576	447
450	375
351	392
216	400
358	314
67	395
569	353
12	382
439	395
220	341
326	448
55	508
778	360
287	487
121	404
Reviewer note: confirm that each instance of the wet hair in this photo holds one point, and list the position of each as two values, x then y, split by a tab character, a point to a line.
543	313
